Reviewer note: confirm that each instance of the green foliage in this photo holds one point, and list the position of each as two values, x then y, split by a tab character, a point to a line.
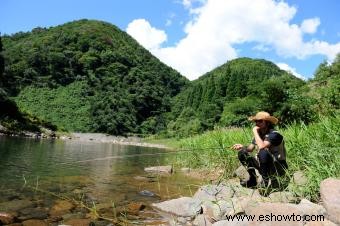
325	87
313	149
125	84
229	94
236	112
61	106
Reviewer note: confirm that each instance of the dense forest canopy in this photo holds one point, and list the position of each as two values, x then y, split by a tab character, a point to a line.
90	76
114	84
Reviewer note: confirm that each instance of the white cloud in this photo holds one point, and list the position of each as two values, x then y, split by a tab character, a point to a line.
292	70
149	37
217	25
310	25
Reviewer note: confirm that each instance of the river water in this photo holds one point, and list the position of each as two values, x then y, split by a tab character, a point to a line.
96	174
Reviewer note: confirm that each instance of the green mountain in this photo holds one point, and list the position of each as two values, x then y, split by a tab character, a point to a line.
88	75
230	93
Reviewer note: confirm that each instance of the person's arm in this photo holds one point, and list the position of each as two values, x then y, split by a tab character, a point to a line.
261	144
239	147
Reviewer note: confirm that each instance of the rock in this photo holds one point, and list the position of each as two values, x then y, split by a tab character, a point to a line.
147	193
242	173
275	213
181	207
6	218
135	207
214	192
309	208
330	196
320	223
34	222
16	205
61	207
185	170
202	220
159	169
285	197
299	178
78	222
32	213
232	223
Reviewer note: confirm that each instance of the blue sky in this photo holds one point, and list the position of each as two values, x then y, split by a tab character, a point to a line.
196	36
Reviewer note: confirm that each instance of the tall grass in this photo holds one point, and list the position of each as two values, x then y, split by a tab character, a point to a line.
313	149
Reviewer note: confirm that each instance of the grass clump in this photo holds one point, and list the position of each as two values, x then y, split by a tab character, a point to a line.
312	149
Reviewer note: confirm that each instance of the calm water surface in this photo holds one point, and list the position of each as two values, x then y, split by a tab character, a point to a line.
97	172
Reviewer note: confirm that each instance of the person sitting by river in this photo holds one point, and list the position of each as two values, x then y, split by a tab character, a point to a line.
270	159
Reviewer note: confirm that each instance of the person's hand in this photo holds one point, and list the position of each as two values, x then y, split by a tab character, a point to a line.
256	129
237	147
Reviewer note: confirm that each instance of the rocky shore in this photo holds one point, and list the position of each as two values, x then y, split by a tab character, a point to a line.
84	137
228	203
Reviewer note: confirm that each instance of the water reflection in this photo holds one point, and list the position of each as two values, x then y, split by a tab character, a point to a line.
99	172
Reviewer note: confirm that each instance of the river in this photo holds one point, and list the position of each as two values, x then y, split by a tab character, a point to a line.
94	173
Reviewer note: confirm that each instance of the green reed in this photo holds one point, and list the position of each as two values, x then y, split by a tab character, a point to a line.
313	149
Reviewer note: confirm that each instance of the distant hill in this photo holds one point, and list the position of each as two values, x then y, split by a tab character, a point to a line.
89	75
227	95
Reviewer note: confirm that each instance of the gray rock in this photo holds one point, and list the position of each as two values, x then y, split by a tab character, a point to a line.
330	196
214	192
275	212
159	169
320	223
16	205
309	208
232	223
202	220
242	173
284	196
181	207
299	178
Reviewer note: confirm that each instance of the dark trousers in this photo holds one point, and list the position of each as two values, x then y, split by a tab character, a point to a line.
268	167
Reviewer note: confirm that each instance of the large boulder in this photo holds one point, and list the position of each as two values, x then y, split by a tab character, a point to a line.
275	214
181	207
330	197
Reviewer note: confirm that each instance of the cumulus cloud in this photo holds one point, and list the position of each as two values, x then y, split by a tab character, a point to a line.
218	26
310	25
290	69
148	36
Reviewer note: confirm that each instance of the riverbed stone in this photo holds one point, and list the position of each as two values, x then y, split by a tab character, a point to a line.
159	169
78	222
330	196
61	207
15	205
6	218
32	213
34	222
181	207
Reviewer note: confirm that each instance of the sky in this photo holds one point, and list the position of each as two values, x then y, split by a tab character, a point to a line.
196	36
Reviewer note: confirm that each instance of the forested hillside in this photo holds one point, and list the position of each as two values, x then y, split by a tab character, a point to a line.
89	76
229	94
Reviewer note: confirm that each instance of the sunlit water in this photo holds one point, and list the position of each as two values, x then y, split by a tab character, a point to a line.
86	171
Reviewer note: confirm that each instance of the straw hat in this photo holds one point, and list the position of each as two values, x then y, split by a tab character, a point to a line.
262	115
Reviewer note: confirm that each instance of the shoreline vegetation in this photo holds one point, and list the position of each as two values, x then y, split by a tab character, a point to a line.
312	149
